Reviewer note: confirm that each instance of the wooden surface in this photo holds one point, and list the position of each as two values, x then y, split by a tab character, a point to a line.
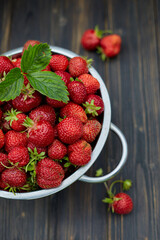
132	79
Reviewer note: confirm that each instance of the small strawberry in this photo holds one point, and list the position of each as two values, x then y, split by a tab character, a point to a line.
14	139
94	105
16	119
64	75
58	62
91	84
122	203
5	65
3	161
1	114
30	42
90	130
1	139
19	155
77	91
49	173
16	62
73	110
78	66
32	146
57	150
79	152
55	103
43	112
70	130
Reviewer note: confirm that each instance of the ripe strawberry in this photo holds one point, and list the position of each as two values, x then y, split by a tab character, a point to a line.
110	46
41	132
30	42
14	177
78	66
1	139
5	65
79	153
19	155
94	105
77	92
91	84
55	103
122	203
4	161
26	102
1	113
73	110
90	130
64	75
49	173
57	150
14	139
16	119
70	130
58	62
43	112
39	149
16	62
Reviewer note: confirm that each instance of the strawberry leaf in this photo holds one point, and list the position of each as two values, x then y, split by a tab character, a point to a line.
49	84
11	87
36	58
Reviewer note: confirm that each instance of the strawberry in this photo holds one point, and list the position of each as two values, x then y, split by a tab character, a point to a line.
14	177
1	139
58	62
77	92
3	161
43	112
16	120
94	105
16	62
1	113
90	130
110	46
78	66
41	132
57	150
79	153
32	146
55	103
5	65
64	75
14	139
30	42
122	203
91	84
73	110
49	173
19	155
70	130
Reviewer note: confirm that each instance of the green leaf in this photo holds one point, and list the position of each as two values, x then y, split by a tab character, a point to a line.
11	87
36	58
49	84
99	172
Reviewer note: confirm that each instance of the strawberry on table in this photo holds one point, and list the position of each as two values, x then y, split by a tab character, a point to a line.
59	62
14	139
78	66
90	130
16	119
91	84
1	139
57	150
19	155
3	161
94	105
77	91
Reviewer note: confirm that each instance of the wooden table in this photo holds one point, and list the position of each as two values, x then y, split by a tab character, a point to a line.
132	79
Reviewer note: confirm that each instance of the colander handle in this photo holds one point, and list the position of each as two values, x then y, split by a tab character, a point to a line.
121	163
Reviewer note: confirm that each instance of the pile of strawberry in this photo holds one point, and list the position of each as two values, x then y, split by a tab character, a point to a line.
49	117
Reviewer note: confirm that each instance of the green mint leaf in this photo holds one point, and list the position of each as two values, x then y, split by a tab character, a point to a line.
11	87
36	58
49	84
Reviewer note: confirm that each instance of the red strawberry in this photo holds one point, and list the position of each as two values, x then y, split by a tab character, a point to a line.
91	84
55	103
59	62
91	129
17	62
49	173
57	150
77	92
43	112
78	66
16	119
14	139
14	177
1	113
4	161
26	104
73	110
110	45
94	105
70	130
5	65
19	155
39	149
64	75
30	42
122	203
79	153
1	139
